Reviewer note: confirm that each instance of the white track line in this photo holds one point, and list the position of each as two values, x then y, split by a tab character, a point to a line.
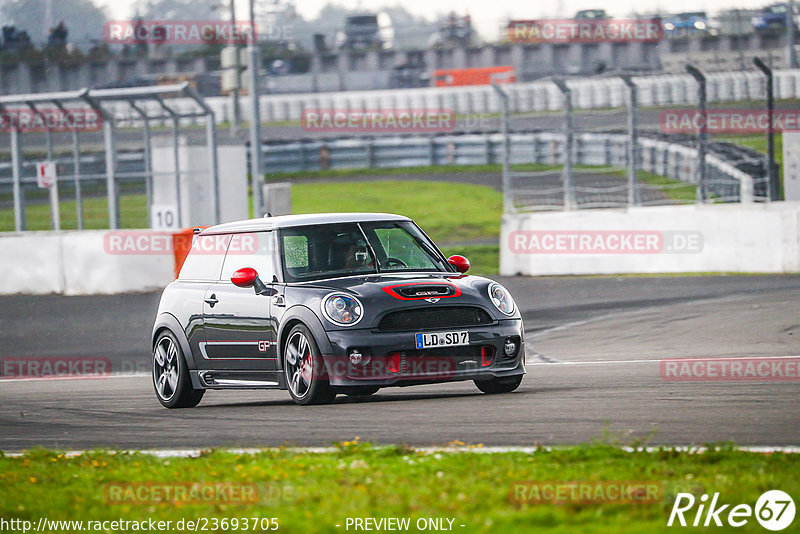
638	311
88	377
194	453
623	362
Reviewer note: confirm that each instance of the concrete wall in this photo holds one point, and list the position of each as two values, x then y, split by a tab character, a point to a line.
85	263
666	239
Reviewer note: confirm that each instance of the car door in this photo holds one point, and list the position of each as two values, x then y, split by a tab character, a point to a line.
199	272
240	334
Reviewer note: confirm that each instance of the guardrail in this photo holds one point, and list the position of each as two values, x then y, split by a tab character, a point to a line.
588	93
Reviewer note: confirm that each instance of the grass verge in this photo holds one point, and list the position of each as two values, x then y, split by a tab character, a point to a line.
446	211
315	492
484	259
672	189
132	209
430	204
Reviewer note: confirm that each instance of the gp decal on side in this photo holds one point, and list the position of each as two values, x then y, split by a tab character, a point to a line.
263	346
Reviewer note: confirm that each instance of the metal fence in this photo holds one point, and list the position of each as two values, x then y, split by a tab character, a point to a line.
600	162
615	179
598	171
109	174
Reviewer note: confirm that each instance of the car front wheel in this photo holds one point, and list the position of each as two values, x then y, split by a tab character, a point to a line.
171	376
499	385
305	370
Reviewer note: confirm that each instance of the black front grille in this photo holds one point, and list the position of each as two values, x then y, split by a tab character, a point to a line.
435	317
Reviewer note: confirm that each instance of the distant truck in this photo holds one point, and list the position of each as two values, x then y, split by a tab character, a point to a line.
473	76
591	14
456	32
687	23
773	17
361	32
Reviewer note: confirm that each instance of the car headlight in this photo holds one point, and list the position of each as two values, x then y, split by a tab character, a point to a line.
501	298
700	25
669	26
342	309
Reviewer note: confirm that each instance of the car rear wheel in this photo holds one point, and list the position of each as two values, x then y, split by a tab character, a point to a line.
171	376
305	370
499	385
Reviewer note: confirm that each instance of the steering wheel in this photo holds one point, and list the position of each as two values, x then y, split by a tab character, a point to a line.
395	262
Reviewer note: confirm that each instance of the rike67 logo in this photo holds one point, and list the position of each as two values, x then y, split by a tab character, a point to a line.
774	510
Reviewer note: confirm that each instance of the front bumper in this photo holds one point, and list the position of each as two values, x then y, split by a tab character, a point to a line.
392	359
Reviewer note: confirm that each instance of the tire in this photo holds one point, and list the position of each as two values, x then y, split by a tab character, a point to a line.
358	391
499	385
304	369
171	376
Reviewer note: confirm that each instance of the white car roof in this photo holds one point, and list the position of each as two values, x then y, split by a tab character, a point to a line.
286	221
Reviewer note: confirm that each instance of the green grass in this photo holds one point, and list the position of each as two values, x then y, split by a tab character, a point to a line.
314	492
484	259
430	204
446	211
133	214
673	189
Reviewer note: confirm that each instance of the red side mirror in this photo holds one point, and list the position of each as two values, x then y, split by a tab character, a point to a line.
244	277
459	262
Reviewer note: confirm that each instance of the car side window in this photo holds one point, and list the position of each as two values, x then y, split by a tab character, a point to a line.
251	249
295	250
204	261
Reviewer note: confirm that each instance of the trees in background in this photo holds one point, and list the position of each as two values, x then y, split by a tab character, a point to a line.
82	18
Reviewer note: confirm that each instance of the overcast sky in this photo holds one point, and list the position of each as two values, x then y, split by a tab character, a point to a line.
488	15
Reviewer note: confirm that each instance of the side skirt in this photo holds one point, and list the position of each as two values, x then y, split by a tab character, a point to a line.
209	379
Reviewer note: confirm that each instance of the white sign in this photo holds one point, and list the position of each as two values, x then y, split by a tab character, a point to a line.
791	165
46	174
164	216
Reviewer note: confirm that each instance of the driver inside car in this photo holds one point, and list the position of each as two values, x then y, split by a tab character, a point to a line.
351	253
357	256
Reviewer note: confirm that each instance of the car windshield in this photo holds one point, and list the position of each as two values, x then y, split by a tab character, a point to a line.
334	250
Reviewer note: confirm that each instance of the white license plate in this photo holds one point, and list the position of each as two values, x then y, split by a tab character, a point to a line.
442	339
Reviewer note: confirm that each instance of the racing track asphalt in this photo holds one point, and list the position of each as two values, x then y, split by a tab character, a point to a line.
594	348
